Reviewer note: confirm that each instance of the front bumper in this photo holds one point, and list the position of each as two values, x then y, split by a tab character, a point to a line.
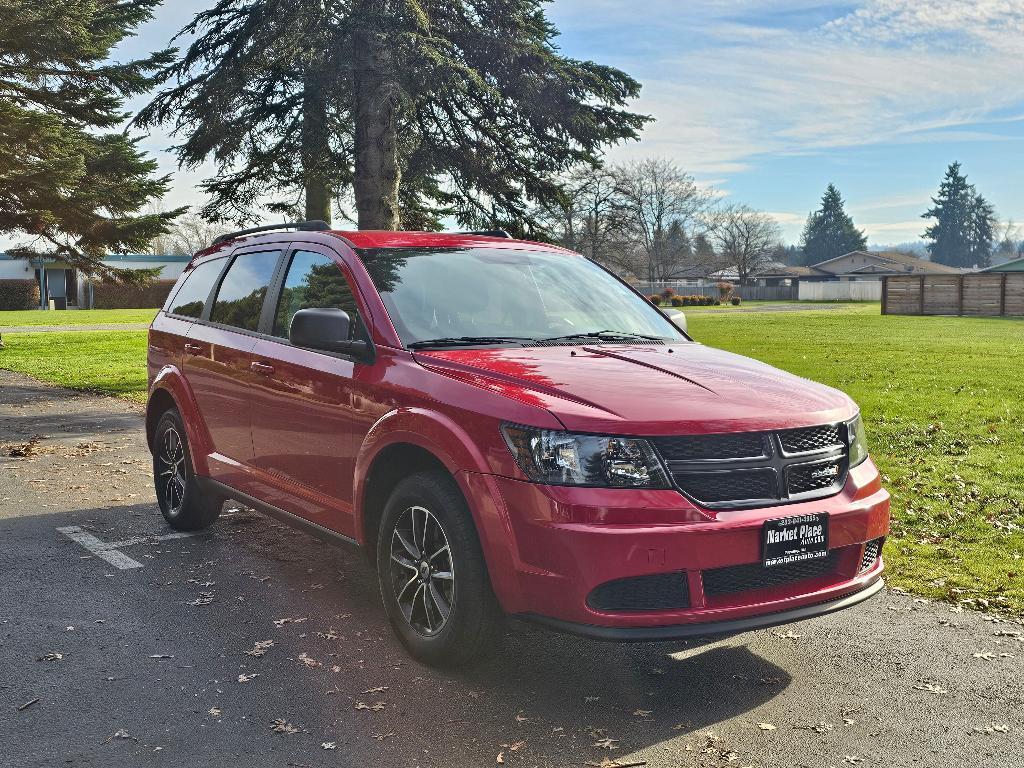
549	548
710	628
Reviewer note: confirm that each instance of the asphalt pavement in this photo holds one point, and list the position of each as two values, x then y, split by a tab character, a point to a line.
255	645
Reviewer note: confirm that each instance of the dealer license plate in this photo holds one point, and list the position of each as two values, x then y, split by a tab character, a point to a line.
794	539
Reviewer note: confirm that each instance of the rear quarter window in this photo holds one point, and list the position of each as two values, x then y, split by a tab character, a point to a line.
242	291
190	298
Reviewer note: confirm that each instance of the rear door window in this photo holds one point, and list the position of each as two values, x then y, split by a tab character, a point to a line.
240	297
195	290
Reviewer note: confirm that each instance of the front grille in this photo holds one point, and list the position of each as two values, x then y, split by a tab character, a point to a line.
738	445
813	477
872	550
810	439
743	578
657	592
724	486
735	470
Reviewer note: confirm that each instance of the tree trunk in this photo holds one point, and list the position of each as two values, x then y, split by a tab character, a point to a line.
377	174
315	150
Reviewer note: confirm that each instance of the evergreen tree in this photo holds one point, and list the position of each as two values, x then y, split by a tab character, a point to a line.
965	223
951	209
829	231
983	223
417	109
69	179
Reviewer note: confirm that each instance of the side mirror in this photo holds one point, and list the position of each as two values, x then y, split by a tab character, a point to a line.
327	330
676	316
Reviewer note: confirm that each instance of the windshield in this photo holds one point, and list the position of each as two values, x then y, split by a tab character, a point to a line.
503	296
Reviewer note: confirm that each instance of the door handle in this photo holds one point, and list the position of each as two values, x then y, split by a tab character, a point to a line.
195	349
264	369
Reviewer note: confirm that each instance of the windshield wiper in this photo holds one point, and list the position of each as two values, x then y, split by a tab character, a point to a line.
605	335
457	341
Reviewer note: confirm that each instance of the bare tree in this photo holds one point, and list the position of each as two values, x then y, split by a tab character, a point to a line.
745	239
188	234
661	198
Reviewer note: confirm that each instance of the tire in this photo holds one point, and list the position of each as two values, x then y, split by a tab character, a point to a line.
448	570
184	506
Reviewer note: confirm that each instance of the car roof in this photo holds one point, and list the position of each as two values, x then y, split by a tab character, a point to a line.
369	239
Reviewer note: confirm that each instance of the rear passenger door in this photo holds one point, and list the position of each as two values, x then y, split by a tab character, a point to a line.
304	423
218	357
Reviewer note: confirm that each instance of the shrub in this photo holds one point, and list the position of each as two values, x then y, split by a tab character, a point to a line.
718	302
678	301
122	296
667	294
19	294
735	301
724	288
655	299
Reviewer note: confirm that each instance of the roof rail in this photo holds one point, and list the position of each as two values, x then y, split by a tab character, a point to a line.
488	233
302	226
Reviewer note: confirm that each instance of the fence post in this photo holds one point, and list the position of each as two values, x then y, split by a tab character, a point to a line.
960	298
885	295
920	298
1002	294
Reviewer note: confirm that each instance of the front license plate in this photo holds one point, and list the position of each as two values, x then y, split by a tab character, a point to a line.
794	539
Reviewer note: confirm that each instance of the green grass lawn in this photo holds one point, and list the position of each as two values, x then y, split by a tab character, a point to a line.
943	399
113	362
12	318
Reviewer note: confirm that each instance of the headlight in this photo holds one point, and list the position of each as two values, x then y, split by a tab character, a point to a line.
857	439
563	458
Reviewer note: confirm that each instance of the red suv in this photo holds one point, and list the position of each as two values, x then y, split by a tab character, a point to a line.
506	428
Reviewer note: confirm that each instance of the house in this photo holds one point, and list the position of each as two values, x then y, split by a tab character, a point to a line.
1017	265
66	287
856	266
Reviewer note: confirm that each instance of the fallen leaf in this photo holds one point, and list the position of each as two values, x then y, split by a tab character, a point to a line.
766	726
308	661
161	656
377	706
283	726
260	648
282	622
931	688
501	758
986	655
378	689
247	678
643	712
215	711
51	656
606	743
788	635
329	745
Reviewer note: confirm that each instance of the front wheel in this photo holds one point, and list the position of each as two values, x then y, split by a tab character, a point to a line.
184	506
432	574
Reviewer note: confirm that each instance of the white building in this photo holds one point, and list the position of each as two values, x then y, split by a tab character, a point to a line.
66	287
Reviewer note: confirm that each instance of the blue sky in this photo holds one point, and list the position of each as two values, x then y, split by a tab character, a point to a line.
770	100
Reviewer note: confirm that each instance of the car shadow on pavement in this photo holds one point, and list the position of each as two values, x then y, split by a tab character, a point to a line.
168	649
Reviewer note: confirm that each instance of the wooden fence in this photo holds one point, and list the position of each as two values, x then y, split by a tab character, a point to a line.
990	293
747	292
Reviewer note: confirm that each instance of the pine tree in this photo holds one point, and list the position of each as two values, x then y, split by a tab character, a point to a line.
830	231
69	179
982	231
953	209
417	109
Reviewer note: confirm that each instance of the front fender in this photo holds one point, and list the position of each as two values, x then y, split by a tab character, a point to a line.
169	380
445	439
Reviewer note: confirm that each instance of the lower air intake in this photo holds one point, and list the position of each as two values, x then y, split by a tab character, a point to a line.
657	592
872	551
743	578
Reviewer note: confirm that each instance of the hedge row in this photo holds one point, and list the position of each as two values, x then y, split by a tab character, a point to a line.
120	296
19	294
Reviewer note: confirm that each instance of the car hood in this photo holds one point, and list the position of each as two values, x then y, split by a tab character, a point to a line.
647	390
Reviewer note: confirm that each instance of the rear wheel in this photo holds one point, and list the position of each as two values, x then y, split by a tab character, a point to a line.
432	574
184	506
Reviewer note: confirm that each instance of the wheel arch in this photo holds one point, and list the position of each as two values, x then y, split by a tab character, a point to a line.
169	390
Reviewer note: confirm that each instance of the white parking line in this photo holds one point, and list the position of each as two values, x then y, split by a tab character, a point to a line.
108	551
